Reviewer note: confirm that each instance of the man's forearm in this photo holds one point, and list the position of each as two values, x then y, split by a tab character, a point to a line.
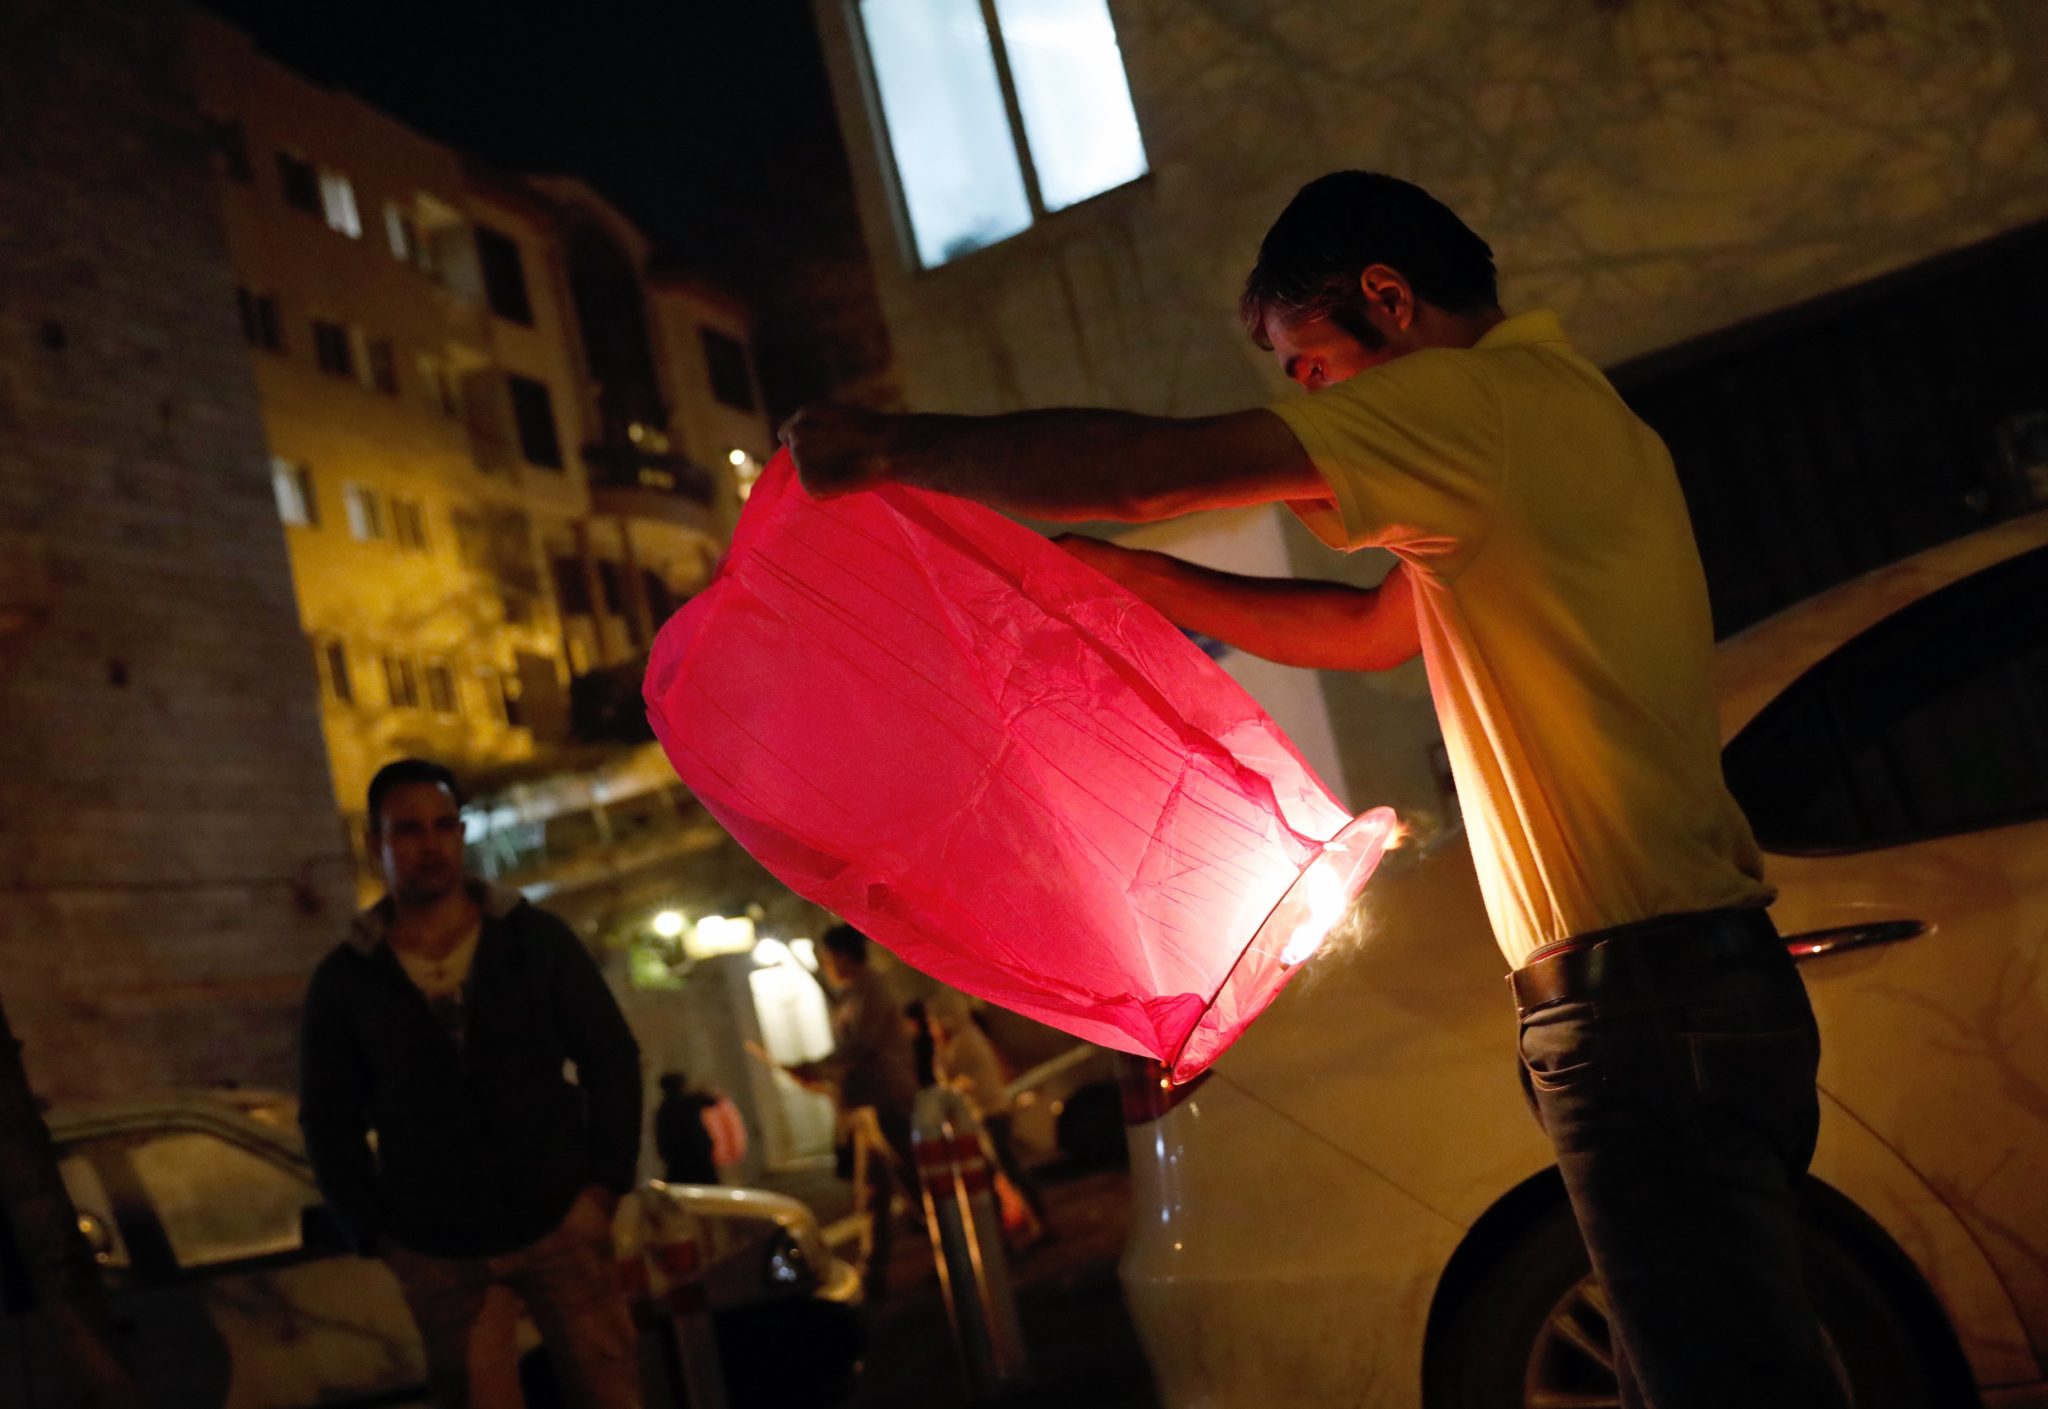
1064	465
1319	625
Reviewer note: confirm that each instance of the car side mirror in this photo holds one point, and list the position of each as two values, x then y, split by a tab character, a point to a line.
320	1231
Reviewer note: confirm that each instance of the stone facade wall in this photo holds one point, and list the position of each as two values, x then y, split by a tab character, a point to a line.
171	866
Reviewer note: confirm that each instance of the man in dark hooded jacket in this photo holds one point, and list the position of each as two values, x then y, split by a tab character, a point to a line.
441	1118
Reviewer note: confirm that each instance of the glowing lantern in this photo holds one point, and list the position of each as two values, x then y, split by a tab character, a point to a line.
1006	768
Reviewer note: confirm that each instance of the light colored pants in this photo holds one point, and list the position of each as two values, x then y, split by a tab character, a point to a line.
467	1312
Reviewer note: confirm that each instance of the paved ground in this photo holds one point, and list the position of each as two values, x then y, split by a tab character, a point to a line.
1084	1354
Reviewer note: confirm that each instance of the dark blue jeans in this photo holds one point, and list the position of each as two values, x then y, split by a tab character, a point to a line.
1681	1102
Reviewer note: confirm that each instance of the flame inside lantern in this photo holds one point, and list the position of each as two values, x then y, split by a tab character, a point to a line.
1321	897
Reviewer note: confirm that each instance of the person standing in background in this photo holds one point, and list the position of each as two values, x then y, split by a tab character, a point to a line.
443	1029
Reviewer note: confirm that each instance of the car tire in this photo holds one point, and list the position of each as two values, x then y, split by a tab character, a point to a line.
1503	1341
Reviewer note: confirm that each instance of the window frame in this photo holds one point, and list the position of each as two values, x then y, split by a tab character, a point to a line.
338	205
262	323
334	349
726	371
305	510
443	693
337	678
369	517
381	365
502	277
541	452
401	669
409	523
298	183
1013	111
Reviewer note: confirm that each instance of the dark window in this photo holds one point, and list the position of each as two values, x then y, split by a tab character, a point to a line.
260	324
731	382
334	663
441	690
383	367
300	183
230	147
1933	722
401	682
472	539
504	275
409	523
513	697
331	349
572	589
535	414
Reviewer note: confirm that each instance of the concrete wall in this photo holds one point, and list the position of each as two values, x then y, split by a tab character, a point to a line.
170	863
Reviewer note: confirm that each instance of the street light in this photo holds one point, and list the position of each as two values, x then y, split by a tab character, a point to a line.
668	923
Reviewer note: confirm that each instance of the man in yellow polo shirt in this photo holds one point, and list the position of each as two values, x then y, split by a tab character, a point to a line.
1547	574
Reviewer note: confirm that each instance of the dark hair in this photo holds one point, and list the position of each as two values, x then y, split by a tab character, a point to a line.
672	1083
847	942
402	773
1335	226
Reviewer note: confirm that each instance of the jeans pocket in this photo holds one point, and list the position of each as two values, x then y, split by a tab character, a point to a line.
1560	1050
1764	1083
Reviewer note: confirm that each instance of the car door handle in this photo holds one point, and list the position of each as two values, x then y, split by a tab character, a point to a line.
1814	943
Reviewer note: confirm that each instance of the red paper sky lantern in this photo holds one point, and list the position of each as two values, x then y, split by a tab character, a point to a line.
1004	767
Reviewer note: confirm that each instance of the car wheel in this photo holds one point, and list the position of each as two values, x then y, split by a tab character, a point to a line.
1533	1333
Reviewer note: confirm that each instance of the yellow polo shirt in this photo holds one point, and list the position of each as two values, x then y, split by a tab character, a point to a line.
1564	623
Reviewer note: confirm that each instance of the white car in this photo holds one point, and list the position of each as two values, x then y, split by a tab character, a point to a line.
230	1286
1355	1206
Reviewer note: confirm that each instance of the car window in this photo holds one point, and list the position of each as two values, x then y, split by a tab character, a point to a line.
1933	722
95	1208
218	1201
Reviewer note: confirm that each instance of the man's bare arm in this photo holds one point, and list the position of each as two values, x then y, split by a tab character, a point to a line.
1323	625
1060	465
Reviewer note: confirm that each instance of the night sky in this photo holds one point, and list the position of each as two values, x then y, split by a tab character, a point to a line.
709	122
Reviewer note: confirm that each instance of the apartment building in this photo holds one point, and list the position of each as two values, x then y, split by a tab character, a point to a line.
503	445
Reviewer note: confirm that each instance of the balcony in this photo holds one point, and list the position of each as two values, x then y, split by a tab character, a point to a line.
639	483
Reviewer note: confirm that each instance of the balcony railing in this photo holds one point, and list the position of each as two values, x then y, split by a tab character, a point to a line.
630	467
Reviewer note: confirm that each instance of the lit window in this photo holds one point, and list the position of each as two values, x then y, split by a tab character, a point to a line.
1079	125
968	176
365	511
293	485
338	204
403	235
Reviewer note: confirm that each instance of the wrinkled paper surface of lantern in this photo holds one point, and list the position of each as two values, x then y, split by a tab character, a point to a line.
1004	767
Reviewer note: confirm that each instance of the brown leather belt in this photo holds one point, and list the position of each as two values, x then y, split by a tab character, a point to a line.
1649	957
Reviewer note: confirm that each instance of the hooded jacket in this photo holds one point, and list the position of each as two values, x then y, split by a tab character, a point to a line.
477	1150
